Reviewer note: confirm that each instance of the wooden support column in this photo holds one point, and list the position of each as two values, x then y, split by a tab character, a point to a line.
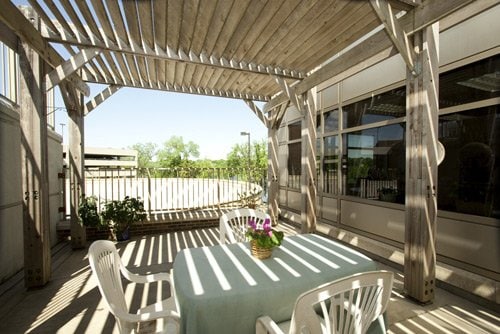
74	105
273	171
421	167
308	171
34	148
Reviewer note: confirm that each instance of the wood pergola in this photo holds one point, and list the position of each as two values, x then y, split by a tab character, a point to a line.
274	51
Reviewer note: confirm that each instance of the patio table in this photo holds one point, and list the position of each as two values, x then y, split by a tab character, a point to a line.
223	289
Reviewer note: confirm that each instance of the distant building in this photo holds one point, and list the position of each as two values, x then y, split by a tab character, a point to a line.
102	161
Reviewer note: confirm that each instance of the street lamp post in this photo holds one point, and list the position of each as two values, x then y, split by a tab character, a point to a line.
243	133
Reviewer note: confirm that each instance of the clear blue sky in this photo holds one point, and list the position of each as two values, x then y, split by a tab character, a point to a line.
135	115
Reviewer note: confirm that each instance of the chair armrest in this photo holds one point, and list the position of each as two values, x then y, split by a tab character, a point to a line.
265	325
148	316
143	279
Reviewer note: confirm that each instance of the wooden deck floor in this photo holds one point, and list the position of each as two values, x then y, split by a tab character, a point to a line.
71	303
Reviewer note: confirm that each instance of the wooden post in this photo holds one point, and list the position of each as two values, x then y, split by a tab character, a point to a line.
421	168
308	173
273	172
75	162
34	148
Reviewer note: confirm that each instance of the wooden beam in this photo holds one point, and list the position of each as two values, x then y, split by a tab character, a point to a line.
274	102
422	107
70	66
395	32
279	115
190	90
171	54
34	162
273	173
405	4
289	92
308	189
256	110
100	98
16	21
75	154
378	47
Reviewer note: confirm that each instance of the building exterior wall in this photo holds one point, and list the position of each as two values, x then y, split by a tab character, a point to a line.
11	200
11	210
467	241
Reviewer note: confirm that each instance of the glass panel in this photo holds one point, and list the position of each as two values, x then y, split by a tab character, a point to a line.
468	177
330	165
373	163
294	165
294	131
474	82
318	125
331	120
385	106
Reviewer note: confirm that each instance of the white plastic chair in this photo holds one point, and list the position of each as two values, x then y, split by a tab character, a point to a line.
106	265
234	224
347	305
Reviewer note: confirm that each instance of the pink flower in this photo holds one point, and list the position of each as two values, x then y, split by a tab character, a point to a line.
252	224
267	225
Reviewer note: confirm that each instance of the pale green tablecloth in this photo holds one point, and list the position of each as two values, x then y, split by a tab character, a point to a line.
223	289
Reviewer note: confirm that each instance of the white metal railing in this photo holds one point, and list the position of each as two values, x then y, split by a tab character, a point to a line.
174	189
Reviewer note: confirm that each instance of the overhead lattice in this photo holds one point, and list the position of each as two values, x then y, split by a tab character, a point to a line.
248	49
222	48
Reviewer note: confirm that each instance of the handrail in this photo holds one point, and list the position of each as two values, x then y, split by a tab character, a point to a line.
165	190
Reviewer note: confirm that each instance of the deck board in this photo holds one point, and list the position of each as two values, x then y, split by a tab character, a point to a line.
71	303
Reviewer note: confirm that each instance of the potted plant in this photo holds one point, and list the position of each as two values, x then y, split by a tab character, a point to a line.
120	215
249	199
263	239
88	212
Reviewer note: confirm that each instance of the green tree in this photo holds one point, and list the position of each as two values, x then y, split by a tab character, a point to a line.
238	157
146	154
176	153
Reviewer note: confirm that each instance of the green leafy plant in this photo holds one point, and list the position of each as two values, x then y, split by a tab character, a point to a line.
264	236
249	199
88	212
120	215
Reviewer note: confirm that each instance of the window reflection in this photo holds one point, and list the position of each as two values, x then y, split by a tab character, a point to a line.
294	165
373	163
380	107
330	165
474	82
468	179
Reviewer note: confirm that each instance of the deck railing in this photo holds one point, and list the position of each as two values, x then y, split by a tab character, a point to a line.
175	189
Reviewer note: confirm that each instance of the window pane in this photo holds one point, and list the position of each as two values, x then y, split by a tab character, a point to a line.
294	131
373	163
330	165
385	106
318	125
332	120
294	165
474	82
469	175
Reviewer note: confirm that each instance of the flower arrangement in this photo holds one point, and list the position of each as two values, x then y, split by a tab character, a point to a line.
265	236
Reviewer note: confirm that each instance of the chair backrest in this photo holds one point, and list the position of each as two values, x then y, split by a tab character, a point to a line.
347	305
105	263
234	224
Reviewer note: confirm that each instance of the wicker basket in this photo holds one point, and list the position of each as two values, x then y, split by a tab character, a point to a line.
259	252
